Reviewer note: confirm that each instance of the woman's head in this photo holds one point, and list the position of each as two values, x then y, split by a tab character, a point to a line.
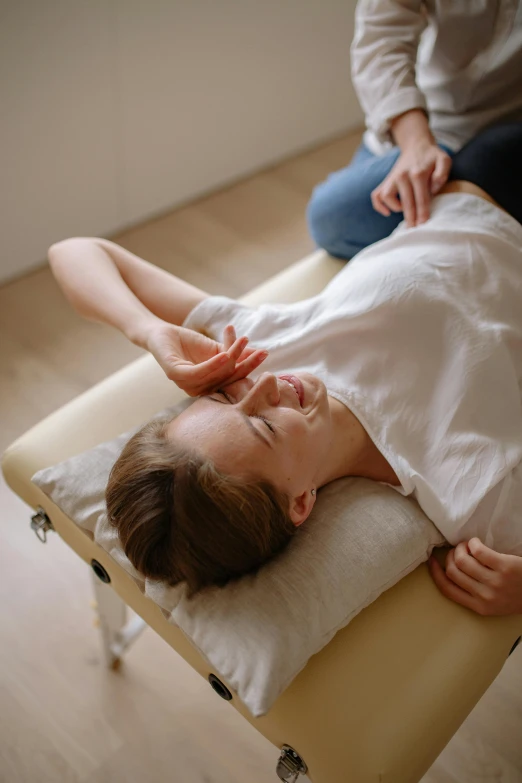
220	489
277	429
179	519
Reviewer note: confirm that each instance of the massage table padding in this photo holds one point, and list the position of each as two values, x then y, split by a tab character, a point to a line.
383	698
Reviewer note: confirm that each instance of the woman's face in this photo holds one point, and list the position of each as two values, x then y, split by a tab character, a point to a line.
276	428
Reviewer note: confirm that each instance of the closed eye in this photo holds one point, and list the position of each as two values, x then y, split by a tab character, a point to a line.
265	421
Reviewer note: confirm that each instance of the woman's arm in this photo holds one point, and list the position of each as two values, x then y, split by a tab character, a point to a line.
106	283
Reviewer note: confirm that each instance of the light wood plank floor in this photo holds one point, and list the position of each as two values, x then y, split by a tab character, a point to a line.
63	716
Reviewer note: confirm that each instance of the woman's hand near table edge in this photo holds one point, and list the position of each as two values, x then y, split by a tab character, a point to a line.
480	579
419	173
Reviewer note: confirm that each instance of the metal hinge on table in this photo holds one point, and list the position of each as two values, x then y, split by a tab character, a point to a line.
290	765
41	523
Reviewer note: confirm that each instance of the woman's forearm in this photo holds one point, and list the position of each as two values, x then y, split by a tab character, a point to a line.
106	283
94	286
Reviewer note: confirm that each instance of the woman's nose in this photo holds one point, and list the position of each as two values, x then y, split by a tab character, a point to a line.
265	389
239	389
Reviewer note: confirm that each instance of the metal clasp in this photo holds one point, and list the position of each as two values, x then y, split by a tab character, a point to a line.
290	765
41	523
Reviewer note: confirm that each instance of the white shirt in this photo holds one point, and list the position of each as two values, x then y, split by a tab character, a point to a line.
420	335
459	60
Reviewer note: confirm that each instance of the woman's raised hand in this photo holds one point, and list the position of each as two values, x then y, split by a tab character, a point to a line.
198	364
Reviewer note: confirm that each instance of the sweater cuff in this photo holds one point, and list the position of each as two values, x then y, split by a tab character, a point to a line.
392	106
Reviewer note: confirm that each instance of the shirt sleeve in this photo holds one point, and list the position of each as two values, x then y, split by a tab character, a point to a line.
505	533
383	54
213	314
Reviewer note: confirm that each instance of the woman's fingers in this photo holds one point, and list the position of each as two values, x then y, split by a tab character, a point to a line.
230	372
466	563
237	361
229	337
449	588
244	368
237	348
220	366
486	556
185	371
199	378
463	580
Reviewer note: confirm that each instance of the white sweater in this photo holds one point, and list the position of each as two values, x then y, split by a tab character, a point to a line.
420	335
459	61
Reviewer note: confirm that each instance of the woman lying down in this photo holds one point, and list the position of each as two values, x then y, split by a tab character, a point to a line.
406	369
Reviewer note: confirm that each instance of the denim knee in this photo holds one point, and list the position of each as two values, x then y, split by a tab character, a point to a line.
329	225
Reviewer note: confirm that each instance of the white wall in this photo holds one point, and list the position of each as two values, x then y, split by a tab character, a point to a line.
115	110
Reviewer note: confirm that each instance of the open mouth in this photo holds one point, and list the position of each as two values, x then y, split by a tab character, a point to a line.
297	386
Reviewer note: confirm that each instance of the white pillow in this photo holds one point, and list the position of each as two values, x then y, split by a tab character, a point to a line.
259	632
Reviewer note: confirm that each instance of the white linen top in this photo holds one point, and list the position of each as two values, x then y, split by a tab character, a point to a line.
459	61
420	335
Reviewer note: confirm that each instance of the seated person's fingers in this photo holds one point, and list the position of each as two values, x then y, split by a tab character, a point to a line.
440	173
421	196
383	198
389	197
407	200
377	202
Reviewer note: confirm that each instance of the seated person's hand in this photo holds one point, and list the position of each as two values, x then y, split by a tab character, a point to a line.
481	579
198	364
420	172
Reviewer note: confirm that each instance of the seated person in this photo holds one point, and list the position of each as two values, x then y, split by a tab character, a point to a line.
429	77
405	369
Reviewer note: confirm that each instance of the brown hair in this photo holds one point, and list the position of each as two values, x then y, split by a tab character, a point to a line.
179	519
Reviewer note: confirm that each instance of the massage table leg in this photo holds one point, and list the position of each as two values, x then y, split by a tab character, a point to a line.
116	633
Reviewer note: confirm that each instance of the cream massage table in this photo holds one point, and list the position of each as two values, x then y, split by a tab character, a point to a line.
382	699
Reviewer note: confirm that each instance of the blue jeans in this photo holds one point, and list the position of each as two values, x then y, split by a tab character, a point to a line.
340	215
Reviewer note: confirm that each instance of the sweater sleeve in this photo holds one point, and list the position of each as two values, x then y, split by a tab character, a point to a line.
383	54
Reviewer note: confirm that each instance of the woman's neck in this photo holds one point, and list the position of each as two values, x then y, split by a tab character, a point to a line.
353	453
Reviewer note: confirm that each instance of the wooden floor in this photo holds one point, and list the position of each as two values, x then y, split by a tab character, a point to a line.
65	718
